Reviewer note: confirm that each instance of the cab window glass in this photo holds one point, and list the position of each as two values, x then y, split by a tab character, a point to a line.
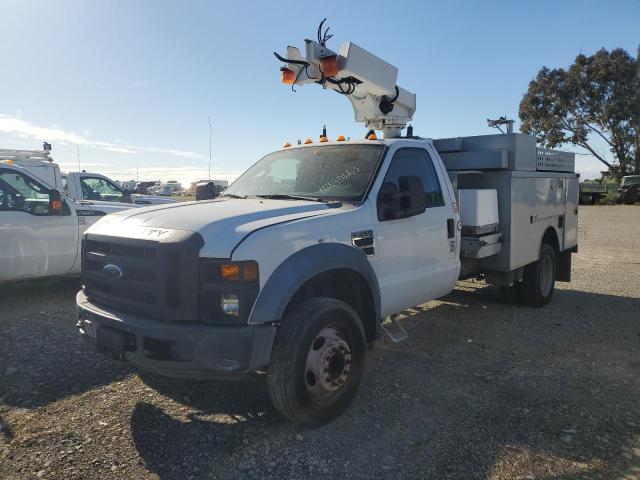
65	185
415	162
95	188
19	193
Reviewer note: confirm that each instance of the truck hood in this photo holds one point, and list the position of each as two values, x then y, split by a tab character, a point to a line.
222	223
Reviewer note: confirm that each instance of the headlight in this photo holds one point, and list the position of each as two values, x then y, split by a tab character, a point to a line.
228	290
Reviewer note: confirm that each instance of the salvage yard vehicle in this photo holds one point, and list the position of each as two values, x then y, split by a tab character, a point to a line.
591	192
40	230
97	188
79	186
301	263
630	189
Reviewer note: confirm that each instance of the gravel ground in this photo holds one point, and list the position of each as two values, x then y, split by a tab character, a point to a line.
480	390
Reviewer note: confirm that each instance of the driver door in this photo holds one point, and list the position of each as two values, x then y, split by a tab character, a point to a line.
412	252
34	242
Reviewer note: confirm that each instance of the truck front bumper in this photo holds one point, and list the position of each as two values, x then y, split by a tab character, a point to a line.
176	350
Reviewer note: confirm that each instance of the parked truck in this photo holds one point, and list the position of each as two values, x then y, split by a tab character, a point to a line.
630	189
301	263
40	229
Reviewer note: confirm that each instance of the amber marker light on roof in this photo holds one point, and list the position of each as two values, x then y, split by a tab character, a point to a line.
308	141
340	138
372	137
323	139
286	145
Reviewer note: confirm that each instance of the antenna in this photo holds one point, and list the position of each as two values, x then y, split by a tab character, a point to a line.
78	154
210	135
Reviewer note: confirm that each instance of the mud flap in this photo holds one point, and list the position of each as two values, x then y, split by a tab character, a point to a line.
563	273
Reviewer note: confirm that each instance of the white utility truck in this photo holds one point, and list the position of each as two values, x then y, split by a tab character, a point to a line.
40	229
79	186
304	259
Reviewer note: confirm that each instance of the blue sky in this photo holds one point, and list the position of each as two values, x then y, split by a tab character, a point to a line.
132	82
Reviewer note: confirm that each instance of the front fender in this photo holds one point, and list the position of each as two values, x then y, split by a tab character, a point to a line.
303	265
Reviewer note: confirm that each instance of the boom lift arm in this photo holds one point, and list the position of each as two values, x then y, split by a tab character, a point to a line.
366	80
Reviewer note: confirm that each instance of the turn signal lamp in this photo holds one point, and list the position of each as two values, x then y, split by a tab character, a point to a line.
56	205
329	66
323	139
287	76
286	145
372	137
230	271
8	162
308	141
340	138
241	271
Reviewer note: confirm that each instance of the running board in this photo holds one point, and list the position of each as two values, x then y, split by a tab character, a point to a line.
394	330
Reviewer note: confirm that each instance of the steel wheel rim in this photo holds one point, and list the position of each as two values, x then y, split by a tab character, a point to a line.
546	275
328	364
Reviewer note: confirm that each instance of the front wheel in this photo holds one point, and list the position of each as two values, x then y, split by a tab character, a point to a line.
317	362
539	278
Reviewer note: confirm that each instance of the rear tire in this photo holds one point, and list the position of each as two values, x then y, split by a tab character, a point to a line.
317	361
538	280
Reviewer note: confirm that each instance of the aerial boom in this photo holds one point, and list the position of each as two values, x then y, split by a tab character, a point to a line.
365	79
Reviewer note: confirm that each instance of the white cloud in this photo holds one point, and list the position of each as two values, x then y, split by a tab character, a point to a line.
119	150
86	165
24	129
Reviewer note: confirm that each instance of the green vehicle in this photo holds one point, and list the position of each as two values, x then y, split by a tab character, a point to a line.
630	189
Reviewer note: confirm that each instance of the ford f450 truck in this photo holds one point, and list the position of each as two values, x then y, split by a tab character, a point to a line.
305	258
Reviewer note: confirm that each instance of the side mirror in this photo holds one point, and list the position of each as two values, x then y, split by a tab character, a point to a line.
407	201
126	196
55	202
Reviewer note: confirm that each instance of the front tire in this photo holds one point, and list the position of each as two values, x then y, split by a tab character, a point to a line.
539	278
317	361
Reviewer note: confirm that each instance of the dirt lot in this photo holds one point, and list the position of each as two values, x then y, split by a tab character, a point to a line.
480	390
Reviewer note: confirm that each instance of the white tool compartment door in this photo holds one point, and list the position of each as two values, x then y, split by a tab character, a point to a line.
571	215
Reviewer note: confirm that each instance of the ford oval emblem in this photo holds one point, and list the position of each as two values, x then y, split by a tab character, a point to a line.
112	271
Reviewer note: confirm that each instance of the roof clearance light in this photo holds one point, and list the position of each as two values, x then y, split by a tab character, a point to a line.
8	162
340	138
372	137
286	145
323	139
329	66
287	76
308	141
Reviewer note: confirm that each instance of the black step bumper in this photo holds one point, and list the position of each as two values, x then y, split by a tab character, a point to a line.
176	350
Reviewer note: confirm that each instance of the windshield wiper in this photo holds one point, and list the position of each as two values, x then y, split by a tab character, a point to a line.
282	196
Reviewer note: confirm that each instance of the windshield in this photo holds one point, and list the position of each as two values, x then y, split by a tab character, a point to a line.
635	180
340	172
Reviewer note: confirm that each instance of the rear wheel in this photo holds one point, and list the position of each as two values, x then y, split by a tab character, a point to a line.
539	278
317	361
